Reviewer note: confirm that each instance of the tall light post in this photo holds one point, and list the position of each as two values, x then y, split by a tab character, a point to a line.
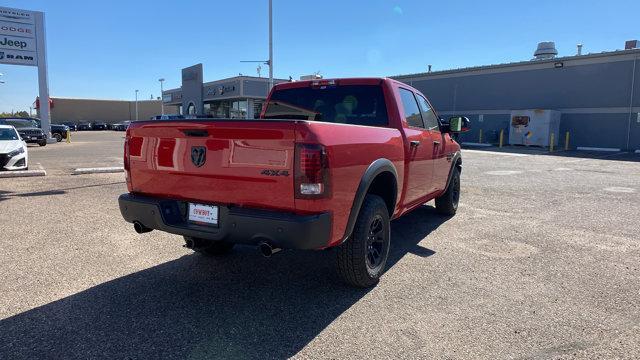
161	95
136	105
270	61
270	46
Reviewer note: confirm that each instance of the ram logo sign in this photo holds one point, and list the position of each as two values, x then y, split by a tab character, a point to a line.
18	58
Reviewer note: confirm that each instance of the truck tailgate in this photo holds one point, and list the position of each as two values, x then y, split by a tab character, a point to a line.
237	162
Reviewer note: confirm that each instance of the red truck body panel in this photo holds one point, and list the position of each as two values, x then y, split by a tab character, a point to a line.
158	158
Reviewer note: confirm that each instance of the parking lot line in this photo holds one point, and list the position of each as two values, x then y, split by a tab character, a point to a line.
22	173
98	170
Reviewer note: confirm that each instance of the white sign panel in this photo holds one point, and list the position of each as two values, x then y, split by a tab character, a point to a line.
23	42
15	29
18	40
17	43
18	57
16	15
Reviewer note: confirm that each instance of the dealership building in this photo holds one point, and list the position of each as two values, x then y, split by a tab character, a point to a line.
597	96
101	110
239	97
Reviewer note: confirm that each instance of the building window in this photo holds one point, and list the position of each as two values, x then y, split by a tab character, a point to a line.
239	109
257	108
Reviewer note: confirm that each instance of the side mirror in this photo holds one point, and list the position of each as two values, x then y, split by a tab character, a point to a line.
458	124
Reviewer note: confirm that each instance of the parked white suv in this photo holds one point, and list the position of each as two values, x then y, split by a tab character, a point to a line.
13	151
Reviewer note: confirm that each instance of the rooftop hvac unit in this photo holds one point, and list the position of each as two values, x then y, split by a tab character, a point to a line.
534	127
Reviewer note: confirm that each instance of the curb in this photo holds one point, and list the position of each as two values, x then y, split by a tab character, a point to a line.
476	144
588	148
22	173
98	170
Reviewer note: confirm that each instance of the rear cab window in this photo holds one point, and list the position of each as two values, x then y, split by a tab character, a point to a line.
343	104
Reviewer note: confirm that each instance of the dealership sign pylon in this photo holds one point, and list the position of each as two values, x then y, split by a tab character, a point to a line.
23	42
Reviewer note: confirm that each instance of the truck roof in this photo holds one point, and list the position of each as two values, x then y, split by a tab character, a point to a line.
344	81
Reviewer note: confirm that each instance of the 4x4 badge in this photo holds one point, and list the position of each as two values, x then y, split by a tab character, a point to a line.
198	155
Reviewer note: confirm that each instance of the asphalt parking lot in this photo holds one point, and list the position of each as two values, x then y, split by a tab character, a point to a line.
542	261
86	149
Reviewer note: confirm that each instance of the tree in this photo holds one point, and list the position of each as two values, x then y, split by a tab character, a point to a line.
22	114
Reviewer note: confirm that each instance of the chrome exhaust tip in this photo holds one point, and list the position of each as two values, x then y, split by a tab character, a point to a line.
267	250
140	229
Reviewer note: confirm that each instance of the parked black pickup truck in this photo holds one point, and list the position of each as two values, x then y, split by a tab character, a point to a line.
28	129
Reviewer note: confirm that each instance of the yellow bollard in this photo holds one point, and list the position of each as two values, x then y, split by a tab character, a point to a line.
480	137
566	141
551	142
501	137
68	136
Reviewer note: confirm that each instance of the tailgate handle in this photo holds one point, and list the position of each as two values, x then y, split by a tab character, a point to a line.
196	133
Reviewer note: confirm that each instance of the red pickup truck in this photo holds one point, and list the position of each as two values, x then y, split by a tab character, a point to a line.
328	165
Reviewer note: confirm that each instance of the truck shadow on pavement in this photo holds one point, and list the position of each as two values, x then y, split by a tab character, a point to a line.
240	306
5	195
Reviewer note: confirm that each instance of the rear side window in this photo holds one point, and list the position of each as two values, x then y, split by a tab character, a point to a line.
411	110
428	116
19	123
346	104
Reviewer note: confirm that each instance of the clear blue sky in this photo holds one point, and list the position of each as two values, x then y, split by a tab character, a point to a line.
107	49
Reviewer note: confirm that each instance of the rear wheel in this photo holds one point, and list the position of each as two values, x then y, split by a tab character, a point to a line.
43	143
363	257
209	247
58	137
447	203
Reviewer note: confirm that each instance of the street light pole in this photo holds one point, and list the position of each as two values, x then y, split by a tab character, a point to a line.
136	105
270	45
161	95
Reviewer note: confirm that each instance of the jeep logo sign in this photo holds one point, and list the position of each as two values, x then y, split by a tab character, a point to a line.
17	43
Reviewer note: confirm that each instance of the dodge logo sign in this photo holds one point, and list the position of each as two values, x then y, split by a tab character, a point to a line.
198	155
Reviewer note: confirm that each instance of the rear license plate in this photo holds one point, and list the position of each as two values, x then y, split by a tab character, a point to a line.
205	214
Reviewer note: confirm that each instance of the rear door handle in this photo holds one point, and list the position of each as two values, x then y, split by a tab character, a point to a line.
415	143
436	142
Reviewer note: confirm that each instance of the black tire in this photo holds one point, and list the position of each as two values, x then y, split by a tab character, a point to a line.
209	247
58	137
447	203
43	143
363	257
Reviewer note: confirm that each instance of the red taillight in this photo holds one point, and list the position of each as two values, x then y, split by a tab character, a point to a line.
126	153
311	171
